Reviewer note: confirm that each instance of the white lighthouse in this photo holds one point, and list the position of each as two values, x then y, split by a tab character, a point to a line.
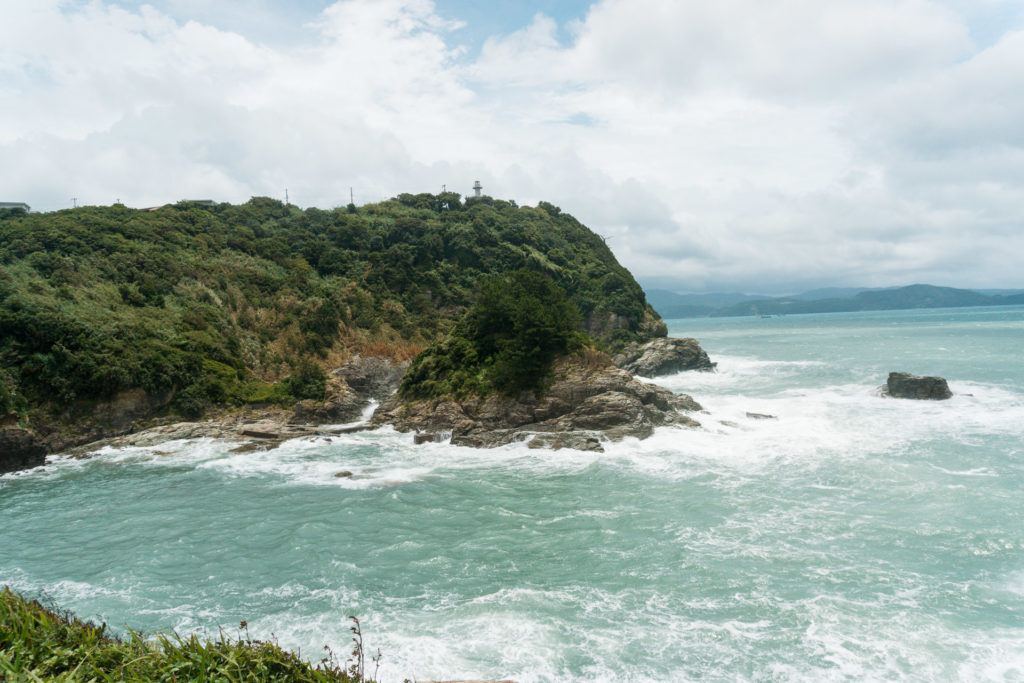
477	187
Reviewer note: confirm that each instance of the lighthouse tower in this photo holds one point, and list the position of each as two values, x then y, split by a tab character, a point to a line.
477	187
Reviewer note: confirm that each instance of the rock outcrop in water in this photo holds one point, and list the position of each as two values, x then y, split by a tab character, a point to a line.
20	449
905	385
588	401
663	356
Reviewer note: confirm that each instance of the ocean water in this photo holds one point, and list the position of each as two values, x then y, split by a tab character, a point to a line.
854	537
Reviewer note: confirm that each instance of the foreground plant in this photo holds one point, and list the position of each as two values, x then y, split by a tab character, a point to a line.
40	643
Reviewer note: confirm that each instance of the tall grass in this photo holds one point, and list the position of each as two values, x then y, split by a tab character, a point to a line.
40	643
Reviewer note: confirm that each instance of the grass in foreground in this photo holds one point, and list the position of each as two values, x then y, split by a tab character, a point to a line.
38	643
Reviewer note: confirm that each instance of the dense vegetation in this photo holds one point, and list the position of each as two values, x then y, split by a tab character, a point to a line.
507	340
39	644
228	304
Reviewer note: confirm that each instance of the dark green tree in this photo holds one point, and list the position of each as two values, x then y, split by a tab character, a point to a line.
507	341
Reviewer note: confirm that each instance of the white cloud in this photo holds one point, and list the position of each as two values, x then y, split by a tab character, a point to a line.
741	144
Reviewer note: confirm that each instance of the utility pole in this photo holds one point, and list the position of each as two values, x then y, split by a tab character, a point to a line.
74	202
351	196
286	202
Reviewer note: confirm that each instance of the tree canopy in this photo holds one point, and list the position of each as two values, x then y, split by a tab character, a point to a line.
506	341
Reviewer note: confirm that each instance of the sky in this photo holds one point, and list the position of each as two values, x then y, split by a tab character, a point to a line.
736	145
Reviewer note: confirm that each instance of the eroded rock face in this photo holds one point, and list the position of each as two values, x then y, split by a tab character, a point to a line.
341	404
372	377
905	385
585	405
350	388
20	449
664	356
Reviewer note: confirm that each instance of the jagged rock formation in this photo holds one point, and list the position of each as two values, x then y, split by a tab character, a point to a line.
588	401
663	356
905	385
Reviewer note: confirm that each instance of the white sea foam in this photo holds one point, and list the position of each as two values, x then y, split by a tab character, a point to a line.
810	425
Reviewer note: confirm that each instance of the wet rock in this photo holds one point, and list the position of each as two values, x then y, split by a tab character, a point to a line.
260	434
20	449
762	416
580	441
586	403
427	437
345	429
905	385
344	474
256	447
664	356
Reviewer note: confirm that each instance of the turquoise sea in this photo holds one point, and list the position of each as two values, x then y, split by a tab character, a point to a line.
853	538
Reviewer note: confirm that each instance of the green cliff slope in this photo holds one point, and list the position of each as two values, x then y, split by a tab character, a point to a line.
188	306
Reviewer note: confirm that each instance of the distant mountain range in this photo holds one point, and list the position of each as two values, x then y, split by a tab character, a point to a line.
828	300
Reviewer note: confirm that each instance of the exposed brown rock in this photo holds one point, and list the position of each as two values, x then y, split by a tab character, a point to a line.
584	405
371	377
664	356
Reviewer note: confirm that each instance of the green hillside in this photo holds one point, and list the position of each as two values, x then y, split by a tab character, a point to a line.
228	304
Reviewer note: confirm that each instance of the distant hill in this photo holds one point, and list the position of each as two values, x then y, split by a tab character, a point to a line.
837	300
829	293
675	305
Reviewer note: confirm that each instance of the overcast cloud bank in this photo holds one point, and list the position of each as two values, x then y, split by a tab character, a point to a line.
739	145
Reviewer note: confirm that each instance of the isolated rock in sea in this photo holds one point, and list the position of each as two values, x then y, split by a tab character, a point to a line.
762	416
20	449
905	385
663	356
584	405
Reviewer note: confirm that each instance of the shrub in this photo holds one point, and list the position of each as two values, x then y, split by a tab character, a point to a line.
39	643
507	341
307	381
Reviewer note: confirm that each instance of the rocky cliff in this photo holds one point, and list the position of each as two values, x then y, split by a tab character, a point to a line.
664	356
589	401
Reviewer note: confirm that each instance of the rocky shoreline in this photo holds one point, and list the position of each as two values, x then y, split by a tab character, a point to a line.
590	401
